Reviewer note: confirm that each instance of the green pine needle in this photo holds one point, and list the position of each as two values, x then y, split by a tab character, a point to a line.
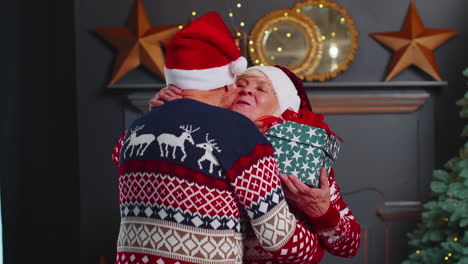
442	234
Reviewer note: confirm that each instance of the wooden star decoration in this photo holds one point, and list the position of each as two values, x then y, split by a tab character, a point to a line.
138	44
414	45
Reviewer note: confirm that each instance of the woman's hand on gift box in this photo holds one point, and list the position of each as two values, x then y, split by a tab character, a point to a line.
314	202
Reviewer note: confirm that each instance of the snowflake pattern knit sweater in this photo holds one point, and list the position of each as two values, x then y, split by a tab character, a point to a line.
192	177
337	232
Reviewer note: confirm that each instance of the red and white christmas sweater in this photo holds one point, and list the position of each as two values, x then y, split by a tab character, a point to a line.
193	179
337	231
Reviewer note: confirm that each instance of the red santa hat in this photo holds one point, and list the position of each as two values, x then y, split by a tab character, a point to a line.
203	55
301	92
306	115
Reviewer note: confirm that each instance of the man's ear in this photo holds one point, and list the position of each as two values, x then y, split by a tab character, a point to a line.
230	87
228	96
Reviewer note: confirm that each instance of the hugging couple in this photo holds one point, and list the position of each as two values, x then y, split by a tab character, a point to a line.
199	181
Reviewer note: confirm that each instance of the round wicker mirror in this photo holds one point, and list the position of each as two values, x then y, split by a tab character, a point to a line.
339	37
286	38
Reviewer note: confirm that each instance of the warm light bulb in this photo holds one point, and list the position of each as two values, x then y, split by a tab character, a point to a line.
333	34
239	5
261	64
321	5
242	24
266	32
455	239
342	20
272	58
285	14
288	35
333	51
446	258
194	13
298	10
181	27
257	61
449	254
418	251
324	38
238	34
252	50
279	49
275	29
251	42
231	14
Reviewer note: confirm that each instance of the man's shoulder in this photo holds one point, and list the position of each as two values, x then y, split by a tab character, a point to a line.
196	105
214	114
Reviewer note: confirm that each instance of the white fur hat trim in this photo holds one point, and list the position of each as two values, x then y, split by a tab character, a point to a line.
285	89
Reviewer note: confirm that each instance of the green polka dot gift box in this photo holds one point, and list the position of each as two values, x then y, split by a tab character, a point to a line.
302	150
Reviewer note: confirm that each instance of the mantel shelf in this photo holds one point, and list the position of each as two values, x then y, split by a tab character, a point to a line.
406	84
357	84
135	86
329	97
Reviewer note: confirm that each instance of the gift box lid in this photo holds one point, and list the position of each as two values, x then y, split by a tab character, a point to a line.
307	135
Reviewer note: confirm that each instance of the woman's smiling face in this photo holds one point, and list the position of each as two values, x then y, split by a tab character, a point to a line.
255	96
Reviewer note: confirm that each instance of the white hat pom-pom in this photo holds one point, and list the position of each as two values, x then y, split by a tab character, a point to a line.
238	66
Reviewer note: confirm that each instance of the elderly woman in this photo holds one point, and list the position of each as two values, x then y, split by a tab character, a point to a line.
269	91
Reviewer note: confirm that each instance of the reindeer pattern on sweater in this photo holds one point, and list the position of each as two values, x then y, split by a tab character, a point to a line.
190	177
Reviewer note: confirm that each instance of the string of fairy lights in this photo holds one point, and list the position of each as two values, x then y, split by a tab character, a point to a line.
235	16
444	220
238	28
449	255
238	25
236	21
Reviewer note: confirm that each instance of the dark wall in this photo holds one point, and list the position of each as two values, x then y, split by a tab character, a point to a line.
39	130
10	182
372	59
101	111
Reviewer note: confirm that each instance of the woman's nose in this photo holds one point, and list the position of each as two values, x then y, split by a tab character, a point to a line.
247	90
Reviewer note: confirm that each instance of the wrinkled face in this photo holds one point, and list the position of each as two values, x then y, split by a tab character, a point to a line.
254	97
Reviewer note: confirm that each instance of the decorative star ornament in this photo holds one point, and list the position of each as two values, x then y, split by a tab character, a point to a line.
138	44
414	45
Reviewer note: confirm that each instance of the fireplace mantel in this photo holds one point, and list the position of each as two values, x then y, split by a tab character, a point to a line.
329	98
